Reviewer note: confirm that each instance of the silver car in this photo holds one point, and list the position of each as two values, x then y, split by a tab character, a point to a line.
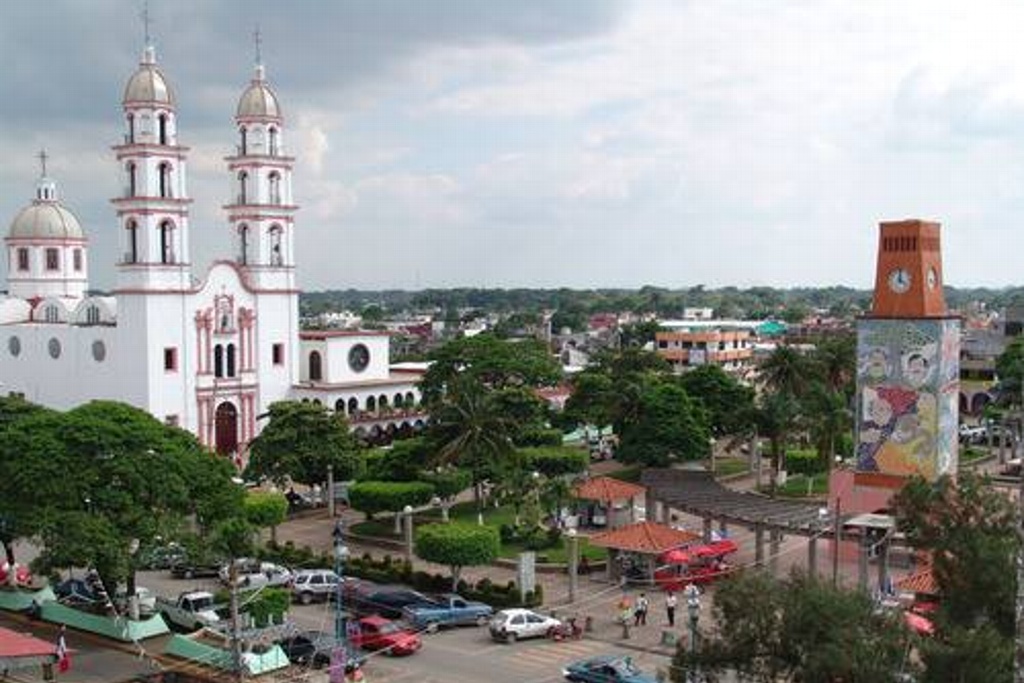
314	584
510	625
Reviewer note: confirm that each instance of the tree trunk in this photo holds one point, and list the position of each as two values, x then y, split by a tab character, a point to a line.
9	552
456	575
776	460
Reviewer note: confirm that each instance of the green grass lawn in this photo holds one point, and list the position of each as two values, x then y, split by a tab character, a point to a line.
725	467
971	454
493	516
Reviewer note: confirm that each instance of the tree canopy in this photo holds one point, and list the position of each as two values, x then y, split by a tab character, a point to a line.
457	545
669	426
301	440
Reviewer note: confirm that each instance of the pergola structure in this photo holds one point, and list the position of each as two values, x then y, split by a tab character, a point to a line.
607	491
696	492
21	651
644	540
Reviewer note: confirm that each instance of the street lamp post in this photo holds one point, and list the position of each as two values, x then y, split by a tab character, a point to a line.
574	562
407	521
339	655
692	594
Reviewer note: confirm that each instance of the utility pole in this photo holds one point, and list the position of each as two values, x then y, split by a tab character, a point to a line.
837	537
236	641
1018	651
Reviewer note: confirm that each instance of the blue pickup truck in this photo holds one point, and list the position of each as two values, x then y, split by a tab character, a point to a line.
448	610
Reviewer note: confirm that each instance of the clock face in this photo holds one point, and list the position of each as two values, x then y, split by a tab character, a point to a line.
358	357
899	280
933	278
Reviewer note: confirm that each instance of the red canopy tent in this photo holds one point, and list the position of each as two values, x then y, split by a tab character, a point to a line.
23	651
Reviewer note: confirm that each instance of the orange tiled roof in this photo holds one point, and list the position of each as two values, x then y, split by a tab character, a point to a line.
921	581
644	537
606	489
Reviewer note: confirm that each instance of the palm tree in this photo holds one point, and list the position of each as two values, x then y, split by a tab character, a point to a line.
777	416
471	432
786	371
828	415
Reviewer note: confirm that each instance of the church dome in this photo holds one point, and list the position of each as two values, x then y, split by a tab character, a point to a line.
147	84
258	100
45	220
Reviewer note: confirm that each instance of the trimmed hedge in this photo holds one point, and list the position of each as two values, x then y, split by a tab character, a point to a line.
372	497
556	461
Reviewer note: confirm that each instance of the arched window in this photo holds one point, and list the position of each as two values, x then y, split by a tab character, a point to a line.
339	406
244	134
410	399
165	179
50	314
276	256
166	242
353	405
218	361
316	372
230	365
274	179
132	256
130	138
397	402
371	404
162	123
243	244
131	179
243	180
273	142
382	402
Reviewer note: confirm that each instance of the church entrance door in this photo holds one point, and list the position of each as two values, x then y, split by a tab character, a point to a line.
226	422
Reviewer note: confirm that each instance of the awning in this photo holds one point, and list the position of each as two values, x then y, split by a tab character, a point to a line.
676	556
23	651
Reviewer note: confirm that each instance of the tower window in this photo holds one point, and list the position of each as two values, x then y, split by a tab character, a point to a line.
171	359
77	259
50	314
275	187
243	244
162	123
52	259
133	243
243	180
165	180
273	142
277	354
218	361
22	258
132	189
276	257
131	128
166	244
316	372
244	134
230	365
92	315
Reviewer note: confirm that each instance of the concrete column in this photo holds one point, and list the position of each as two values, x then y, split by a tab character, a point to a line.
707	528
664	513
773	560
759	545
574	563
883	564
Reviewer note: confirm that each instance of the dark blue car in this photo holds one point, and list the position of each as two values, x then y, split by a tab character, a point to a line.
606	669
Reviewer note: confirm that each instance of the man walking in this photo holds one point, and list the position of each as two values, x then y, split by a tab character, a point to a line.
640	612
670	608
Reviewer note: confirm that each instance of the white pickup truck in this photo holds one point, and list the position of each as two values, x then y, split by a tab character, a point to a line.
192	610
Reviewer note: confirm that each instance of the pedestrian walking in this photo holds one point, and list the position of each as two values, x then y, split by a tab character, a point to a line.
670	608
640	610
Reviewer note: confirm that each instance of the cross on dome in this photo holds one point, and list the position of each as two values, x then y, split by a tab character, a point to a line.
43	156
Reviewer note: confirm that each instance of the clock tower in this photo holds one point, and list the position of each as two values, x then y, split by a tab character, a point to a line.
908	364
908	278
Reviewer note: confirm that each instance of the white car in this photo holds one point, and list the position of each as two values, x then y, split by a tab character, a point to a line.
256	574
510	625
146	599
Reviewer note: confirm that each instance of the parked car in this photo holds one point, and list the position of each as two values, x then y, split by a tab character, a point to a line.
255	574
606	669
448	610
510	625
378	633
314	584
314	648
79	593
388	601
195	568
160	556
191	610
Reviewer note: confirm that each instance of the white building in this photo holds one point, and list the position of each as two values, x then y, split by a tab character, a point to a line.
208	352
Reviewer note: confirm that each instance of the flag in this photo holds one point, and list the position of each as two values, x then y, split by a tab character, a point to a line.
63	654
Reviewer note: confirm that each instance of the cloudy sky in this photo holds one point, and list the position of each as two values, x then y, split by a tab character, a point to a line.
545	143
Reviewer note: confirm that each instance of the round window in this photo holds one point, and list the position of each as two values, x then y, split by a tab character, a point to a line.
99	351
54	347
14	346
359	357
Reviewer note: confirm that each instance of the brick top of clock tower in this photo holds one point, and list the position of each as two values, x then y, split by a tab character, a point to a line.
908	278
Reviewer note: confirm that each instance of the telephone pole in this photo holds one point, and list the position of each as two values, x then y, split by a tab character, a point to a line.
1018	652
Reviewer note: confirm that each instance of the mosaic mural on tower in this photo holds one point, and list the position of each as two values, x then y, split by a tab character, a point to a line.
907	388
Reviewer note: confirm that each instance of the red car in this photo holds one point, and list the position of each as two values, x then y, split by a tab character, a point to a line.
378	633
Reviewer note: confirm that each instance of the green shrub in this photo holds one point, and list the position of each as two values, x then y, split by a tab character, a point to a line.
373	497
555	461
804	462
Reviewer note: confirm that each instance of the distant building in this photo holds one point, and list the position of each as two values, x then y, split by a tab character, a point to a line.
688	347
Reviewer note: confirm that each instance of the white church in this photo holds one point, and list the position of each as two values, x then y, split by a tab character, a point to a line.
207	353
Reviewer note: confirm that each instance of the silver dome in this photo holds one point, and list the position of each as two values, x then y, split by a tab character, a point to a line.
258	99
45	220
148	84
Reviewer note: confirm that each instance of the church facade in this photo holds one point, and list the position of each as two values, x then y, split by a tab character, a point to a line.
210	352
